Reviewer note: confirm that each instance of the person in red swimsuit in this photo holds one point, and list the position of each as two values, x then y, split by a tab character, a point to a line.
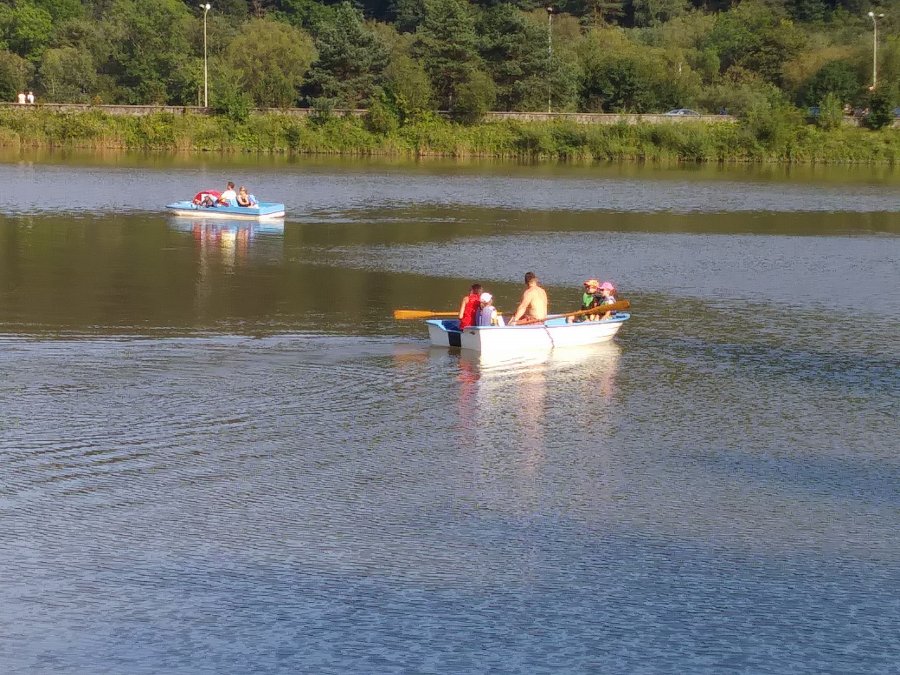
469	306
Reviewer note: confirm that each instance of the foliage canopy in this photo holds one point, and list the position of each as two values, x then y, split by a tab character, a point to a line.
415	56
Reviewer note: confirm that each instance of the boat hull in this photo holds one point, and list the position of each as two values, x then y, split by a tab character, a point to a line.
553	334
263	210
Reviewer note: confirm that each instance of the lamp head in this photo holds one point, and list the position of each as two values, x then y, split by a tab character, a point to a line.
549	9
872	14
208	7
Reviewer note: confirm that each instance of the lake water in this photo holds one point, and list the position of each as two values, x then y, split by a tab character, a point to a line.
220	453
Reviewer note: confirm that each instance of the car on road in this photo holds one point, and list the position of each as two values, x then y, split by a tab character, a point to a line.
683	112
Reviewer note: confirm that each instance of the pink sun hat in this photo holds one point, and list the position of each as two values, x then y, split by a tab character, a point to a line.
607	286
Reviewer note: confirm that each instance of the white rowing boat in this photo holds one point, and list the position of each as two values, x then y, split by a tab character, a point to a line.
552	334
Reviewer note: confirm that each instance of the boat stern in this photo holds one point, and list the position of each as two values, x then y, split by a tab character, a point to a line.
444	332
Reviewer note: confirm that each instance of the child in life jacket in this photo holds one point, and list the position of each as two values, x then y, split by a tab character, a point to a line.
469	307
589	300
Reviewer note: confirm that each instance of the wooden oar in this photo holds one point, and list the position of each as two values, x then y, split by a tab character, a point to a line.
619	306
420	314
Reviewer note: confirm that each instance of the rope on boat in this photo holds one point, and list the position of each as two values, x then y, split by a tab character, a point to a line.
547	331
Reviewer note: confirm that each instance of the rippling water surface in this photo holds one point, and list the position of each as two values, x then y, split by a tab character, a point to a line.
220	453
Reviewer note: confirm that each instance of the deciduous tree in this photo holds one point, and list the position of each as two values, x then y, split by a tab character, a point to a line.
14	74
25	29
838	78
755	36
408	86
657	12
269	60
152	58
68	74
475	96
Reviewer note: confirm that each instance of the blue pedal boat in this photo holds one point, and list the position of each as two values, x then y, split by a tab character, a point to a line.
263	210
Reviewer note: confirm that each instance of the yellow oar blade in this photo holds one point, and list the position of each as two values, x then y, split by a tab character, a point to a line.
419	314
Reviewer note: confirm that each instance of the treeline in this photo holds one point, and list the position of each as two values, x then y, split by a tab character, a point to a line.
404	58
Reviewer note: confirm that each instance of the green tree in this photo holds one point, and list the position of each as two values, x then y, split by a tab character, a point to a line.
831	112
656	12
351	60
68	74
407	14
474	97
597	12
14	75
515	54
306	14
838	78
880	109
268	60
62	10
26	29
96	39
620	76
889	62
618	84
773	125
409	86
740	92
808	10
755	36
381	117
446	42
152	55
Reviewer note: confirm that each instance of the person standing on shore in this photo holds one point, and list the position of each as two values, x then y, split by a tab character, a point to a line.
533	307
30	97
21	99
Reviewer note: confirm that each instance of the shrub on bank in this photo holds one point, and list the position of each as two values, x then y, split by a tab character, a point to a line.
764	135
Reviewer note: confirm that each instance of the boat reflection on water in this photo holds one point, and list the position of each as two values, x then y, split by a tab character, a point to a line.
510	410
229	240
209	227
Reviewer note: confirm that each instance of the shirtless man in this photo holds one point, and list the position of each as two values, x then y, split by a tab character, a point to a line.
533	307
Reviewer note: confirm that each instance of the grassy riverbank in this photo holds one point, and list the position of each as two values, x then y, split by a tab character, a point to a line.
763	140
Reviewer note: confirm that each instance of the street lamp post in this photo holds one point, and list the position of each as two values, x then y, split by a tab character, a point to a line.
205	9
875	17
549	58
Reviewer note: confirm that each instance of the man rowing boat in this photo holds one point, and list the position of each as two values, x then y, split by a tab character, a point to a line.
533	307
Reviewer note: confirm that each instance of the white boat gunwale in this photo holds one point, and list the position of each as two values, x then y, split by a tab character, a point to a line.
553	333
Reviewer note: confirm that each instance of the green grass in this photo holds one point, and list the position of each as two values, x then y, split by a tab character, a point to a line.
434	136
